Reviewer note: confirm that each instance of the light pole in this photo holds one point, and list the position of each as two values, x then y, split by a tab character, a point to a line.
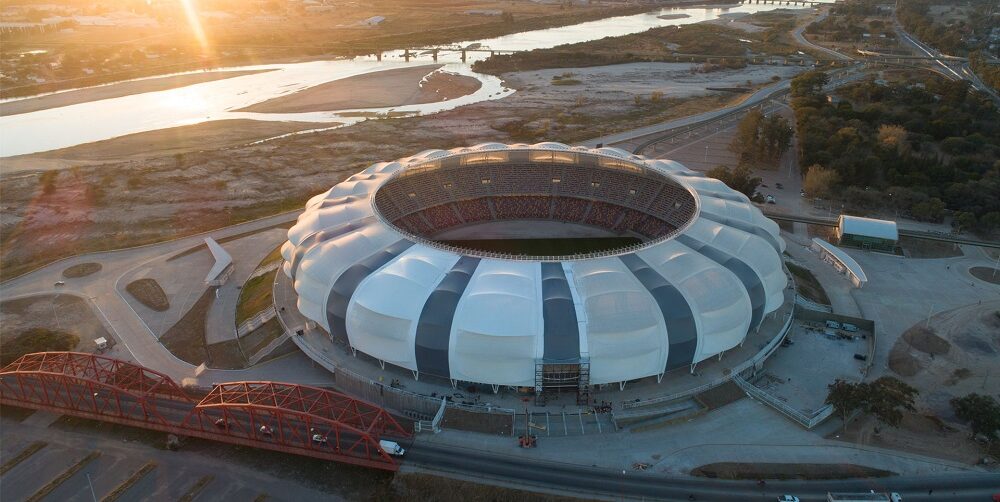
92	494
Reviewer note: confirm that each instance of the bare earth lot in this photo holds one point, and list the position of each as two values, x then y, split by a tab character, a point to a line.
402	86
63	312
187	183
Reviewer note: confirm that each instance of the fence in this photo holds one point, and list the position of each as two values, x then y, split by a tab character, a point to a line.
748	366
807	421
256	321
809	304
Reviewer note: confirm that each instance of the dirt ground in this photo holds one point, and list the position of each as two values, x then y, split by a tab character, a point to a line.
738	470
118	90
398	87
920	434
988	274
960	357
188	183
69	313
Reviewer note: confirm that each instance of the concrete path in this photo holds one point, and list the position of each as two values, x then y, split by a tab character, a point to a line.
137	340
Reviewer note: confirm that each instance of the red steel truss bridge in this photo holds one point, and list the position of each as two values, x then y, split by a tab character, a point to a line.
283	417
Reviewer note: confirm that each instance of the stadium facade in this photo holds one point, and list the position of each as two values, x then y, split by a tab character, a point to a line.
367	269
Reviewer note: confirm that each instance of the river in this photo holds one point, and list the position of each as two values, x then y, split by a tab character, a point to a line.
67	126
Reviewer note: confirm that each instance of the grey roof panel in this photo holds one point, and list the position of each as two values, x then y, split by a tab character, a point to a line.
434	326
682	331
747	227
347	283
562	333
322	236
746	275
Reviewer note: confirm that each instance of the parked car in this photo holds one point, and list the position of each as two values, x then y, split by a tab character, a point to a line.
319	439
788	498
849	327
833	324
60	283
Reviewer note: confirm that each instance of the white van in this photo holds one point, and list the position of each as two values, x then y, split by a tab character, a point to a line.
391	447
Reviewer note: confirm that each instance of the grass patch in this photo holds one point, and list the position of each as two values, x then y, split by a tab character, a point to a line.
741	470
985	274
21	456
82	270
256	293
807	285
60	479
15	413
260	337
38	340
186	338
925	248
226	355
128	483
149	293
565	81
196	489
926	341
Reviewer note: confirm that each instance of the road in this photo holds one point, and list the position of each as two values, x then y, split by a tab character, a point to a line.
964	72
104	292
569	478
797	34
487	466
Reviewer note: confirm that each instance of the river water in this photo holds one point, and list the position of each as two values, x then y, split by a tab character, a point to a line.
67	126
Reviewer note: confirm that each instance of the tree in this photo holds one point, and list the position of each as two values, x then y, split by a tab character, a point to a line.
929	210
820	181
48	180
982	412
887	397
846	398
893	137
809	84
740	179
745	142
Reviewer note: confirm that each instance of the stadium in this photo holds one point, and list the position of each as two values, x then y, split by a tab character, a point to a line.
405	262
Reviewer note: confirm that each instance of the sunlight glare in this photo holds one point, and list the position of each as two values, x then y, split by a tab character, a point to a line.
191	12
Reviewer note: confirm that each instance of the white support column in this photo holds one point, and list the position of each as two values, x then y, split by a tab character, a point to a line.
496	388
354	351
416	375
454	383
693	366
659	378
621	385
381	363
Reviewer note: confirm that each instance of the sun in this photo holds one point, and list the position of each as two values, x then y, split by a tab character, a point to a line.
191	12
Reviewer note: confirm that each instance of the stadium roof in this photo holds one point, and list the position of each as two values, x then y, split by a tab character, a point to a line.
632	313
869	227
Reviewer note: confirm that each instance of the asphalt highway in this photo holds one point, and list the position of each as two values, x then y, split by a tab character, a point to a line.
572	478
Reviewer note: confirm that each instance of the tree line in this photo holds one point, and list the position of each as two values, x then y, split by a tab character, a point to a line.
921	148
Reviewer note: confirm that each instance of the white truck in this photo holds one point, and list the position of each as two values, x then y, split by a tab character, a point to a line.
391	447
870	496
